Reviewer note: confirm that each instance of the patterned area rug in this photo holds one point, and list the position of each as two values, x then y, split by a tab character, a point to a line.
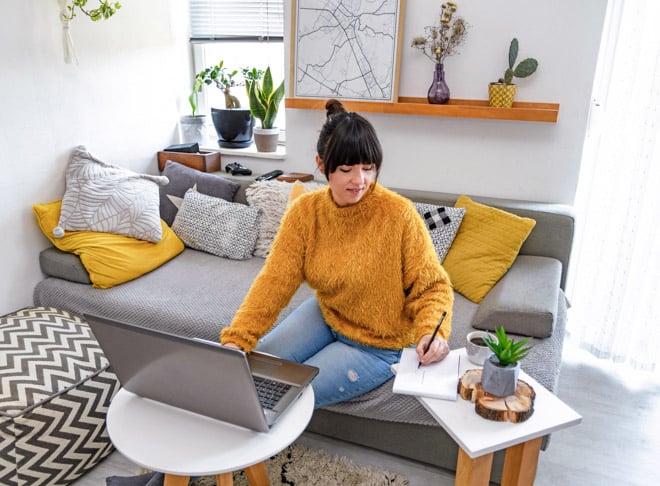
301	466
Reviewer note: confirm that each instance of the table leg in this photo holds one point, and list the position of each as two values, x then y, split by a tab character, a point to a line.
520	463
257	475
173	480
473	472
225	479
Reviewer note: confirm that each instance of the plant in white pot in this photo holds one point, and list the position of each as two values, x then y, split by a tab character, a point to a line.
265	101
501	93
233	124
500	373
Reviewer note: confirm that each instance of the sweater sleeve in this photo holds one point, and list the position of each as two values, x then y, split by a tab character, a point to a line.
274	286
428	288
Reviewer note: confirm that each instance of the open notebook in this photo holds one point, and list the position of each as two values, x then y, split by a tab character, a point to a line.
437	380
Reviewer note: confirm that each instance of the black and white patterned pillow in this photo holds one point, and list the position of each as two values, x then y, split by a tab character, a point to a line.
443	223
217	226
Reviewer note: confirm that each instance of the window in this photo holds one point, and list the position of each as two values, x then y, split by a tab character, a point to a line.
241	33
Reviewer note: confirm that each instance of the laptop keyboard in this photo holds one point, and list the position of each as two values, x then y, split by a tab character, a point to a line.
270	392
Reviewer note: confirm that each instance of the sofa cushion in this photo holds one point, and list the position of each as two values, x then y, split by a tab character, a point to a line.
183	178
486	245
443	223
217	226
524	301
102	197
272	197
109	259
61	264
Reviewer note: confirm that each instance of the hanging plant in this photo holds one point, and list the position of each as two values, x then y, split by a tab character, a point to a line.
68	10
105	9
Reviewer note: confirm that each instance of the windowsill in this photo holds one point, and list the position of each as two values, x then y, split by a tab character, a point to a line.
250	151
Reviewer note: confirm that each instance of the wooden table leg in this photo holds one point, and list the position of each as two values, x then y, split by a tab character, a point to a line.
520	463
225	479
473	472
173	480
257	475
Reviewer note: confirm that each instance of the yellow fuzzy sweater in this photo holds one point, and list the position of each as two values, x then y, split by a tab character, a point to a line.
373	266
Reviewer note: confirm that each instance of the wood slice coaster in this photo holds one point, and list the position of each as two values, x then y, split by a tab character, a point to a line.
515	408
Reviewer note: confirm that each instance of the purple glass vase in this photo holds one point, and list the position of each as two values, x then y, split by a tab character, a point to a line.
439	91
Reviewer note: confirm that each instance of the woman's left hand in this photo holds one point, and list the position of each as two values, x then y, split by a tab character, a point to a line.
438	350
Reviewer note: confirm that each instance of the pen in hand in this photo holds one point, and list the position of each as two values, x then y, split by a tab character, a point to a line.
435	333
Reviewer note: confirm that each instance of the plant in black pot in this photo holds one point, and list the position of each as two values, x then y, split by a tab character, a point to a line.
265	101
233	124
500	374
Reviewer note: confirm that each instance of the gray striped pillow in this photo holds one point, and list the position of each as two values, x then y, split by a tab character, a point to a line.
109	199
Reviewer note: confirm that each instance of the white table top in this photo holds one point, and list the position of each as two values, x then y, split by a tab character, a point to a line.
162	438
478	436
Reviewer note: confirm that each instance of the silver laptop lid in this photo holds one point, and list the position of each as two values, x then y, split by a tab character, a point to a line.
196	375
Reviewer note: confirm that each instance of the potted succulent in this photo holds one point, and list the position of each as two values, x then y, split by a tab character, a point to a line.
265	101
500	373
233	124
501	93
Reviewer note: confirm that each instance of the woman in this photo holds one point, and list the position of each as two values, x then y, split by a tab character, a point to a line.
379	286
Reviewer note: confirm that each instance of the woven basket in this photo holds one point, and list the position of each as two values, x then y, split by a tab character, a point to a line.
500	95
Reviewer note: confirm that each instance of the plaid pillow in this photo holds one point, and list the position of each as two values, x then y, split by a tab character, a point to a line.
443	223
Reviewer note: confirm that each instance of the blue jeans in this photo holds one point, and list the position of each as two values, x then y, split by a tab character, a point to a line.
347	369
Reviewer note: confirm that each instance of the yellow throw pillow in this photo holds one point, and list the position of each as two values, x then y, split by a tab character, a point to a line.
109	259
486	245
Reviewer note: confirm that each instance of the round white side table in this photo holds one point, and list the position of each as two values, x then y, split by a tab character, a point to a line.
181	444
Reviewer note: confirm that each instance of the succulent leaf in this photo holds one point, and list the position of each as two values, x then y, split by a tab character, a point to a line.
525	68
513	52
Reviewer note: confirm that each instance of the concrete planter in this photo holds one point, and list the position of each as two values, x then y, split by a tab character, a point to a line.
266	139
498	380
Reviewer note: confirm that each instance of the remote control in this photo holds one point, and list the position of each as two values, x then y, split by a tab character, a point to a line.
269	175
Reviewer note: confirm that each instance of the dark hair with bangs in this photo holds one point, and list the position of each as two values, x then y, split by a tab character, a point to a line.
347	138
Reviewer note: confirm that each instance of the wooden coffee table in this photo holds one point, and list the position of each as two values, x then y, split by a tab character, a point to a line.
183	444
479	439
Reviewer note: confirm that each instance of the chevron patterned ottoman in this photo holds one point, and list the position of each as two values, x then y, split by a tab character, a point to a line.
55	388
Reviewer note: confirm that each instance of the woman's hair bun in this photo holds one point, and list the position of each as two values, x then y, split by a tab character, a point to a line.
333	107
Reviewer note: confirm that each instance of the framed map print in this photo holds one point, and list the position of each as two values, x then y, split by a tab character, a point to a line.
346	49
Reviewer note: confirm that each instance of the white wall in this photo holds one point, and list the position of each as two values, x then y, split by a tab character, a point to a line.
124	97
119	101
520	160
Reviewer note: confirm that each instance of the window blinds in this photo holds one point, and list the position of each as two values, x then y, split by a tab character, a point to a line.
240	19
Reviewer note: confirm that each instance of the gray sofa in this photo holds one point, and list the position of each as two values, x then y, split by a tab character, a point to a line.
196	294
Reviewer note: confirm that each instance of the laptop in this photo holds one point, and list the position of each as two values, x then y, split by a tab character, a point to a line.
201	376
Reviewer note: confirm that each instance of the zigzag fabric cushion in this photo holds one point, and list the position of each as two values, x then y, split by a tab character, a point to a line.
55	389
109	199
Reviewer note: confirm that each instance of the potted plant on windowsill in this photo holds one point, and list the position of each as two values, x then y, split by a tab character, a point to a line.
233	124
500	373
501	93
265	102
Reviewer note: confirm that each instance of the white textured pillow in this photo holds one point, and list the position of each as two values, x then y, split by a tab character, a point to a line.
443	223
272	197
109	199
216	226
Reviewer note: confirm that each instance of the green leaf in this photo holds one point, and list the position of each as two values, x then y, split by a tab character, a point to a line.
525	68
513	52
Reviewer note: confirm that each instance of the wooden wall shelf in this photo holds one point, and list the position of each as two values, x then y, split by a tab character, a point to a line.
521	111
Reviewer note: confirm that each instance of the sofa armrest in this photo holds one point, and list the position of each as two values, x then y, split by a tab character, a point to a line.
60	264
524	301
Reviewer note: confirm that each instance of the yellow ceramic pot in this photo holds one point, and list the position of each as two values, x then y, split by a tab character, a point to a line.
500	95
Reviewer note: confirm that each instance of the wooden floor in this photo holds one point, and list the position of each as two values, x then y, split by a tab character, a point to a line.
618	442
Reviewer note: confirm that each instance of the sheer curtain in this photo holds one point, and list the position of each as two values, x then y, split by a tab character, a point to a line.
615	274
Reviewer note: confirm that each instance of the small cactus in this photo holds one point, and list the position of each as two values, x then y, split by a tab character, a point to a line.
522	70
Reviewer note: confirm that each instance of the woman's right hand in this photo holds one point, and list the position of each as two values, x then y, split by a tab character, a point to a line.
232	345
